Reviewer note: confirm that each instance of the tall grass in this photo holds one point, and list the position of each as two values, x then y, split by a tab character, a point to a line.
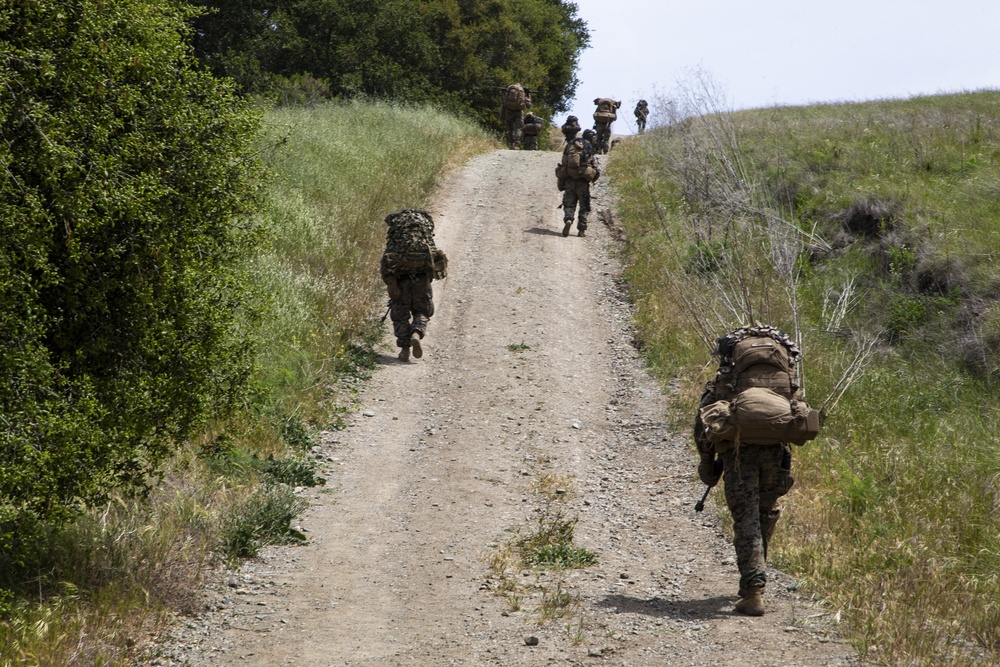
340	168
94	593
888	225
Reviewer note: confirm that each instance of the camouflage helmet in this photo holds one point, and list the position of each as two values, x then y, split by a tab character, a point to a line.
642	103
572	119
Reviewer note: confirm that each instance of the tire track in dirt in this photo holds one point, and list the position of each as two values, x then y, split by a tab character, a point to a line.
528	371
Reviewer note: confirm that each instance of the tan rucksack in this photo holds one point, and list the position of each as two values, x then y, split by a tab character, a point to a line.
575	163
756	397
516	99
606	110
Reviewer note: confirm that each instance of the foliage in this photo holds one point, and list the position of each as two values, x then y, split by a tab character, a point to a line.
261	519
895	503
126	171
452	53
89	592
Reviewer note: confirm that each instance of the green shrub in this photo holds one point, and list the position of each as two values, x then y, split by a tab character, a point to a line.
263	518
126	174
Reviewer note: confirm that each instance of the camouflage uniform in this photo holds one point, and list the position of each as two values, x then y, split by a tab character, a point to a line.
410	294
603	128
641	113
514	122
532	127
577	192
755	477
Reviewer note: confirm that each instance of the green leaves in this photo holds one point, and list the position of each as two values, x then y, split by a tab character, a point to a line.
449	52
126	173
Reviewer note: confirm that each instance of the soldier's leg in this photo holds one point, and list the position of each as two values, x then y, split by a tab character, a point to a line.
569	202
583	196
422	307
741	478
775	481
399	312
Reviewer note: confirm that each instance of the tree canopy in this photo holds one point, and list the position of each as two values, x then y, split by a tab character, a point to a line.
453	53
126	168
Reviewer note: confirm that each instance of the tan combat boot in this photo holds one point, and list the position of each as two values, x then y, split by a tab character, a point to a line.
566	225
415	344
752	604
404	354
581	233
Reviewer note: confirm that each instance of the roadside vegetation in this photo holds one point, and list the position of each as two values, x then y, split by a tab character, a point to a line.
546	549
94	590
869	232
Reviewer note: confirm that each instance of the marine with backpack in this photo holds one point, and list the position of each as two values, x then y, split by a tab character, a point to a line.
408	265
756	398
748	415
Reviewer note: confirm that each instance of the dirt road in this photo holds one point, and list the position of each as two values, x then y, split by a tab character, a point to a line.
529	383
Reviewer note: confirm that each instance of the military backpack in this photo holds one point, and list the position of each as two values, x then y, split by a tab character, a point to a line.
606	110
575	163
409	245
516	98
755	398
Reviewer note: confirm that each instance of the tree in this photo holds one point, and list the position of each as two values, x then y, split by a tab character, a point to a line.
126	173
453	53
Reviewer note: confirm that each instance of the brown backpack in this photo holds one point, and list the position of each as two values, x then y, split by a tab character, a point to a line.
575	163
606	110
762	360
516	99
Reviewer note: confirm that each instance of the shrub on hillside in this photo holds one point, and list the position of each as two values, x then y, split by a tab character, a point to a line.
125	171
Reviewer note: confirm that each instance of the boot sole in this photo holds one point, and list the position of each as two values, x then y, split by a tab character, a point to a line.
415	346
566	228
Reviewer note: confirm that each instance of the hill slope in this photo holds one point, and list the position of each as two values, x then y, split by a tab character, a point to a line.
530	406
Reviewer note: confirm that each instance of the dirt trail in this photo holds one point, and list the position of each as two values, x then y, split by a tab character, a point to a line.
528	371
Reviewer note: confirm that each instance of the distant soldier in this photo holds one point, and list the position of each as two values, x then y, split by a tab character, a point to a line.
603	117
532	129
409	264
641	114
571	128
574	174
747	417
516	99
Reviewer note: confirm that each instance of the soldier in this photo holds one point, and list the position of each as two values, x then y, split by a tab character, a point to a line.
603	117
641	113
516	99
409	264
532	128
575	173
755	475
571	128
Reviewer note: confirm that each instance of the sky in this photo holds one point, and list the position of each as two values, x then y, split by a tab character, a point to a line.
784	52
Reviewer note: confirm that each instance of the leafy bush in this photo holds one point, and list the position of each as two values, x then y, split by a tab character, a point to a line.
123	308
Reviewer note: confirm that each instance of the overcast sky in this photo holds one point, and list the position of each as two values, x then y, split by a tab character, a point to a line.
786	52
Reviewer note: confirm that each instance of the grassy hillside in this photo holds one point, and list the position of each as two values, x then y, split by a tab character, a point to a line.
869	232
92	593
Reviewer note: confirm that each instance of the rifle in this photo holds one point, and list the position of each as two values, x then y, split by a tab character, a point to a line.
526	89
717	471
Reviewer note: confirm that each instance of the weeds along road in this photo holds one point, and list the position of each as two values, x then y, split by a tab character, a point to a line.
530	401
